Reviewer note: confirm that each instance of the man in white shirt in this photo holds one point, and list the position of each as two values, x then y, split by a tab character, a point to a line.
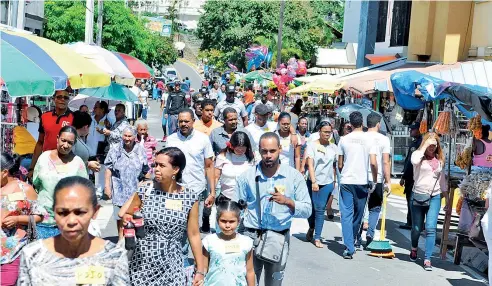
382	147
232	101
353	162
262	125
143	97
198	151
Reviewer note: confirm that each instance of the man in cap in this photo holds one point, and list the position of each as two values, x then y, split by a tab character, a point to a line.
261	125
263	100
175	102
407	177
232	101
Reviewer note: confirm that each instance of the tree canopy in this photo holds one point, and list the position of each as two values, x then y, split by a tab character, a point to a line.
227	26
122	31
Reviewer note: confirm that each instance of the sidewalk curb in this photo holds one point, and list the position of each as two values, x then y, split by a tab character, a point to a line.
189	63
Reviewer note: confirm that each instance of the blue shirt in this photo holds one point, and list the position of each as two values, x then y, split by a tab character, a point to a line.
274	216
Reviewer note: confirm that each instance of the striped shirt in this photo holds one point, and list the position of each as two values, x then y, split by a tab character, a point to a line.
150	144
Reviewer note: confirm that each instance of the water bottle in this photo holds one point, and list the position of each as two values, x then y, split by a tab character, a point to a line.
138	221
129	234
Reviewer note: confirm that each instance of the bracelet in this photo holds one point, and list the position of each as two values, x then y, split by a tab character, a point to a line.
199	272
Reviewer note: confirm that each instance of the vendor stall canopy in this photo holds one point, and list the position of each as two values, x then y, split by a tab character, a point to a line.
473	98
64	66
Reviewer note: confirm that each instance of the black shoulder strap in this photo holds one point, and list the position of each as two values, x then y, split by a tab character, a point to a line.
258	200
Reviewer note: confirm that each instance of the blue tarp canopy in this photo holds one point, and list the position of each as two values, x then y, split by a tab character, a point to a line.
472	98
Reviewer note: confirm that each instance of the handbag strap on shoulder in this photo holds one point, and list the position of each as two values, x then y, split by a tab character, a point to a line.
258	200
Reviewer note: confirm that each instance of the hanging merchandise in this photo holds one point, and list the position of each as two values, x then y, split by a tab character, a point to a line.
443	122
464	159
474	186
423	124
475	126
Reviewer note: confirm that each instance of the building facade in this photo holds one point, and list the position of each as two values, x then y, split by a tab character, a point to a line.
24	15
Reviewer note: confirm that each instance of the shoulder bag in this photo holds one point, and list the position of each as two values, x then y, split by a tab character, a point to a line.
270	244
423	200
31	233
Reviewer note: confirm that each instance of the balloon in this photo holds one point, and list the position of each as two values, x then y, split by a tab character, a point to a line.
268	58
276	79
283	71
301	69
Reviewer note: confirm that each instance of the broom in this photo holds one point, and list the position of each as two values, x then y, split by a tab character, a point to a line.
381	247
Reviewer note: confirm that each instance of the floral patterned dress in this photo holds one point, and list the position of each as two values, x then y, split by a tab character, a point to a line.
14	239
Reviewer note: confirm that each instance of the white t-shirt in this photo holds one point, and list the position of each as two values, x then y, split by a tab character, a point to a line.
256	131
323	159
94	137
355	149
381	146
197	148
144	94
232	166
287	154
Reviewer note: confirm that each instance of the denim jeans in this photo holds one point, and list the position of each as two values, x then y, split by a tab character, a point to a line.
352	203
172	124
429	214
144	112
374	207
318	202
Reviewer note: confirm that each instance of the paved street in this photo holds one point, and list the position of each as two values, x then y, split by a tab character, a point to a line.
308	265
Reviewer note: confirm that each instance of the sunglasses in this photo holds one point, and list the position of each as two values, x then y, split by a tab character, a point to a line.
65	97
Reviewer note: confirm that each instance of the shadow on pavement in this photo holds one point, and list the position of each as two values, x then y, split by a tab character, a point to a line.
465	282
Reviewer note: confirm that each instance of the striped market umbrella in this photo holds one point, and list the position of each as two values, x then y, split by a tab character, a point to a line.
66	67
138	68
106	60
21	76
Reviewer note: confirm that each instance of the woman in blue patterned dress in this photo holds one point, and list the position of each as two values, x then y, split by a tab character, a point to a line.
125	164
74	257
169	211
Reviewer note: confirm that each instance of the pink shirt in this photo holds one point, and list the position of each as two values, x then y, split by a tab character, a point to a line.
427	175
150	144
485	159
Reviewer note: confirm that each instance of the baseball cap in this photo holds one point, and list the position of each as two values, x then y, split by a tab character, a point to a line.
262	109
203	90
415	125
231	89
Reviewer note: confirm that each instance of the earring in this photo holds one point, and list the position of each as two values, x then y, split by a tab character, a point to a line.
173	177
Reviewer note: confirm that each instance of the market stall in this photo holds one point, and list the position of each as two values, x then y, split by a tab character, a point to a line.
476	102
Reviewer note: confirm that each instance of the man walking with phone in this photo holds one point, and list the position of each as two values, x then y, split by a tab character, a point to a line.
275	194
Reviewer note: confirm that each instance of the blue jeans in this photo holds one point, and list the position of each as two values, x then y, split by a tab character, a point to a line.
352	203
172	124
318	202
429	214
155	94
374	206
144	113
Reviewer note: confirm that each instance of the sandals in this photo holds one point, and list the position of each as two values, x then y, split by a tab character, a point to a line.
318	243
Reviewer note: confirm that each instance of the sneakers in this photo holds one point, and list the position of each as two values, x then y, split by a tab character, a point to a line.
358	247
347	255
413	255
427	265
309	234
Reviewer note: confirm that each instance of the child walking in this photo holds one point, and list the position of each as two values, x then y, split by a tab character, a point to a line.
228	255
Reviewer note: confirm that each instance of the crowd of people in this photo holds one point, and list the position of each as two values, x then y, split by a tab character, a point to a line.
225	152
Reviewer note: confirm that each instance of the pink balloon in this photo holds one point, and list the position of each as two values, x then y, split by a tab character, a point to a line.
283	71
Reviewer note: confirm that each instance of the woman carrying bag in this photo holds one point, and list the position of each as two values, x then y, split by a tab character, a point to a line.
428	163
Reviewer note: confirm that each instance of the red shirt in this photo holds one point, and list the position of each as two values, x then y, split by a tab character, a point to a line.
51	124
160	85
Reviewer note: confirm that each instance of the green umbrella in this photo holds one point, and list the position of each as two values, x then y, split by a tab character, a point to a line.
258	76
114	91
21	76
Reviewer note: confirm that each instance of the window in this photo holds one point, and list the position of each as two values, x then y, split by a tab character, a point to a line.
400	26
382	19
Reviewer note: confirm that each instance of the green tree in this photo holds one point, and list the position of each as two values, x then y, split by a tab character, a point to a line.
122	31
235	24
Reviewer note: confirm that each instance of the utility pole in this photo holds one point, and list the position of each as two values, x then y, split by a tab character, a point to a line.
99	22
279	40
89	22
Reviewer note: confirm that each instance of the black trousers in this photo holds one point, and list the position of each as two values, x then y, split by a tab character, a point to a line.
408	194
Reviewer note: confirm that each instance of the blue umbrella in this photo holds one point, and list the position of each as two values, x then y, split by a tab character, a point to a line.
114	91
344	112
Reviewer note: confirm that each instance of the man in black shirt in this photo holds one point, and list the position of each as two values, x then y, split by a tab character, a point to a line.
407	177
175	102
